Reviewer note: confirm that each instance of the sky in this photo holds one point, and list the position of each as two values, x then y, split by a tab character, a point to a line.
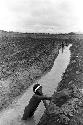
53	16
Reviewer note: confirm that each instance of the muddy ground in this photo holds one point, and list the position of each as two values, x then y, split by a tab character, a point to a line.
22	63
70	112
24	58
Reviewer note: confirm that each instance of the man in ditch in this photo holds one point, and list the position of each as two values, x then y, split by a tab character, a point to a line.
34	102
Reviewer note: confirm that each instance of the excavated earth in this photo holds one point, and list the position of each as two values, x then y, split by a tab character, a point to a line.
66	106
24	58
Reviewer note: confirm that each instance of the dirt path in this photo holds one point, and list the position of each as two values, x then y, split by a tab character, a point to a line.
12	116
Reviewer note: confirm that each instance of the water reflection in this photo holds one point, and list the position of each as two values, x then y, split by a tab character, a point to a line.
51	80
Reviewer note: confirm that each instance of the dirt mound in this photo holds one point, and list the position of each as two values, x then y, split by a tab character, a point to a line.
66	108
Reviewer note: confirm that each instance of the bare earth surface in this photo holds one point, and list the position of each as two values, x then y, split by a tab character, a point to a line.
70	111
12	115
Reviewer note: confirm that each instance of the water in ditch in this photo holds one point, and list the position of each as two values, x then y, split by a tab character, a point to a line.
12	116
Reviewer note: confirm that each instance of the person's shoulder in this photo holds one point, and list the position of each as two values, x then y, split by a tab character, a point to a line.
38	96
35	96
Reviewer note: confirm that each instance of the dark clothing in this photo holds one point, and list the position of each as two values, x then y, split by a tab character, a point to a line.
62	46
33	104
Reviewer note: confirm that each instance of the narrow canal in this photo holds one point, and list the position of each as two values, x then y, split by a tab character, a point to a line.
49	82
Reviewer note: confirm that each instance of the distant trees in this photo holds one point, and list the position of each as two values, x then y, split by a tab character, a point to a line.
71	33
